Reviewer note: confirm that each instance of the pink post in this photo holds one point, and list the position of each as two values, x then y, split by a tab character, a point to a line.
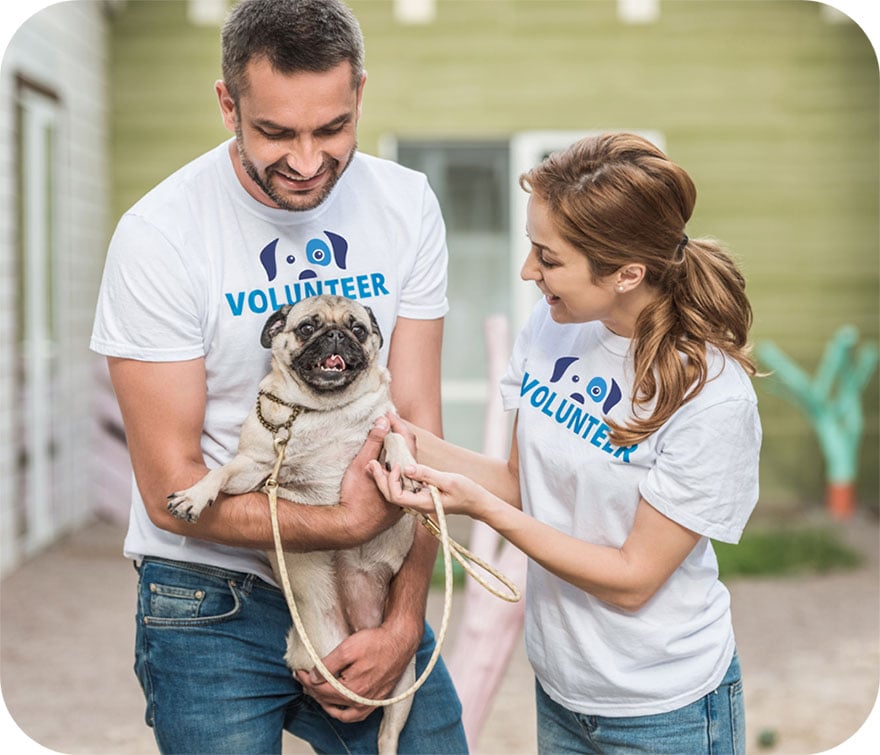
490	627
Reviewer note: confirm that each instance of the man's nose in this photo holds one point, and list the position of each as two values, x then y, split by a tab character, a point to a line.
305	158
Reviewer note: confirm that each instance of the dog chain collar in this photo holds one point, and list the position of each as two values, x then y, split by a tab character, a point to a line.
295	411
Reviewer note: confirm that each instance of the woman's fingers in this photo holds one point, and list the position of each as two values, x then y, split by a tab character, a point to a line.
390	484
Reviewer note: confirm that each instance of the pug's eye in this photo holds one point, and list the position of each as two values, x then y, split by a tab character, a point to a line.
360	332
305	330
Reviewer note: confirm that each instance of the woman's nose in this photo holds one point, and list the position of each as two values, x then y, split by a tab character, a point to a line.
529	270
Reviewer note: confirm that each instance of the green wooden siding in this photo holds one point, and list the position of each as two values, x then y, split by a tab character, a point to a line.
771	108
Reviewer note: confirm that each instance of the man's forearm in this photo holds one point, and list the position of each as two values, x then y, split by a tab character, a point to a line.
244	521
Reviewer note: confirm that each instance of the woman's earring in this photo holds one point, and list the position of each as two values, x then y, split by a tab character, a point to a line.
620	289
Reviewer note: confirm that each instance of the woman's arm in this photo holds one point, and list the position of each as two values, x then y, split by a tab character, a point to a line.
626	577
499	477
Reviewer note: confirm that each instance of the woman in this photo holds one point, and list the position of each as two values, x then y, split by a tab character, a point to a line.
636	441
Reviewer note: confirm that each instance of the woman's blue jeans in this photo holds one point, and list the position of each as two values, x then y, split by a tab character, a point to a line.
713	725
210	658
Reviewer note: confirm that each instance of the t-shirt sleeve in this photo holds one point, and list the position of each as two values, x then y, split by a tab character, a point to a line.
147	306
424	294
706	474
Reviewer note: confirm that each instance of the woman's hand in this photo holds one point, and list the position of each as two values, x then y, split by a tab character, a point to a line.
458	494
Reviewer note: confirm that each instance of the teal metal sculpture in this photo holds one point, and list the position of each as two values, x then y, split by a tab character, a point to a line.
831	400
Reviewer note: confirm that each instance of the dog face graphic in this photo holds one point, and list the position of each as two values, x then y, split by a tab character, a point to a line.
597	389
319	252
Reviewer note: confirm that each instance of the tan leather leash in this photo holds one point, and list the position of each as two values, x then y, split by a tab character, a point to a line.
450	548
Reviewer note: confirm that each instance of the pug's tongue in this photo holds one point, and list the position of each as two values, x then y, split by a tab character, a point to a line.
333	362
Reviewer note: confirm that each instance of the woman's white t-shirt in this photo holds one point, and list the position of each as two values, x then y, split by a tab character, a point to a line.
699	469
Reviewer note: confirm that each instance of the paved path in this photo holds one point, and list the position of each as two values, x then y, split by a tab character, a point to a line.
810	650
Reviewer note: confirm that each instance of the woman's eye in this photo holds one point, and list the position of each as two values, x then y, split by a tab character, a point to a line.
542	259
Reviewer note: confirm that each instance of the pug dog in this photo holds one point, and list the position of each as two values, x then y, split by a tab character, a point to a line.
325	390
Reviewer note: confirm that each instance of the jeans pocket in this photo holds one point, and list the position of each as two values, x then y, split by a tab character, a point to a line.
180	598
169	602
737	717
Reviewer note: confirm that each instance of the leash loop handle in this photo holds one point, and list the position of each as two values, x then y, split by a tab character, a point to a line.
466	558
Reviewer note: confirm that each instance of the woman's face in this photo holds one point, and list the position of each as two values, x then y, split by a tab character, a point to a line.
563	274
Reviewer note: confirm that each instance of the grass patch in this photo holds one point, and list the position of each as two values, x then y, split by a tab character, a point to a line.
789	551
773	552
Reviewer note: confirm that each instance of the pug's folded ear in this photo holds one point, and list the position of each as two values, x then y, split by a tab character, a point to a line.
274	325
375	325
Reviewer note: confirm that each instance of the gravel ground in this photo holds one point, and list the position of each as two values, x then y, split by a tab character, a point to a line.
810	650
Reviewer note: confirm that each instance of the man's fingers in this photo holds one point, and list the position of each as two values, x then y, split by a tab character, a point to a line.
375	439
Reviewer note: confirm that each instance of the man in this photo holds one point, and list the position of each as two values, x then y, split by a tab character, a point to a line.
285	210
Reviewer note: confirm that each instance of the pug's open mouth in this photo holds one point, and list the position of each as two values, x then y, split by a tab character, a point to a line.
327	368
333	363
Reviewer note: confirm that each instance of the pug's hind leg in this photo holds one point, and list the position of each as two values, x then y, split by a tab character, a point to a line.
395	715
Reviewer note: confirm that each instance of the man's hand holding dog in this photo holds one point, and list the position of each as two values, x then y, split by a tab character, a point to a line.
366	510
369	662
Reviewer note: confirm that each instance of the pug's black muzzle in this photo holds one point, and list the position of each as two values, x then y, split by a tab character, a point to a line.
331	361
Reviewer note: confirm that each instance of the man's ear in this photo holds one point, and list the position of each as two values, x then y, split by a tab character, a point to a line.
227	105
360	95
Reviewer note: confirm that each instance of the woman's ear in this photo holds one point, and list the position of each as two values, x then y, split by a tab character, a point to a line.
629	276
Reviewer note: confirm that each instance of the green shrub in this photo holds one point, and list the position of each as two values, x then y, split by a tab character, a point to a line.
785	551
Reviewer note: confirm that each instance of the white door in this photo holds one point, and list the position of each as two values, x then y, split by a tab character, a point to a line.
36	320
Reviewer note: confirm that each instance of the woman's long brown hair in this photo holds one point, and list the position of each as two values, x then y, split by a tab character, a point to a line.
618	199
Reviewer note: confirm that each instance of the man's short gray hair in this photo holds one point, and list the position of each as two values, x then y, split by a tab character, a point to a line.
293	35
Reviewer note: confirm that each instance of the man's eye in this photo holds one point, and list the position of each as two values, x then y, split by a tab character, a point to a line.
271	134
325	132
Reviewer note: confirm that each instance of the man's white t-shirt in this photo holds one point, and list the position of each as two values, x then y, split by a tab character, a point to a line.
699	469
196	267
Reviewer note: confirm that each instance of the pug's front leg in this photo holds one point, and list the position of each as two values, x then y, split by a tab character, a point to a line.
395	452
241	475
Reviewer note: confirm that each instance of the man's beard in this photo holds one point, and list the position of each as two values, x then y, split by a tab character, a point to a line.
283	199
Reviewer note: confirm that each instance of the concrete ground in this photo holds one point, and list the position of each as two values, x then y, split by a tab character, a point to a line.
810	650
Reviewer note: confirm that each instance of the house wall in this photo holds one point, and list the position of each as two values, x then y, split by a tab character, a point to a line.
772	107
62	49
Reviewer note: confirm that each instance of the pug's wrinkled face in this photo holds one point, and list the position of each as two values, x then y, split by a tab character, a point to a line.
325	341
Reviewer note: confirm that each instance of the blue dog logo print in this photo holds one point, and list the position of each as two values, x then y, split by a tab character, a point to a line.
597	389
319	253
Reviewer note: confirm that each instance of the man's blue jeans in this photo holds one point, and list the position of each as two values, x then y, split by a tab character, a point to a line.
210	658
713	725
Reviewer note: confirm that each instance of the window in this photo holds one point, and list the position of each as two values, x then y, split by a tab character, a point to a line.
477	184
471	180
